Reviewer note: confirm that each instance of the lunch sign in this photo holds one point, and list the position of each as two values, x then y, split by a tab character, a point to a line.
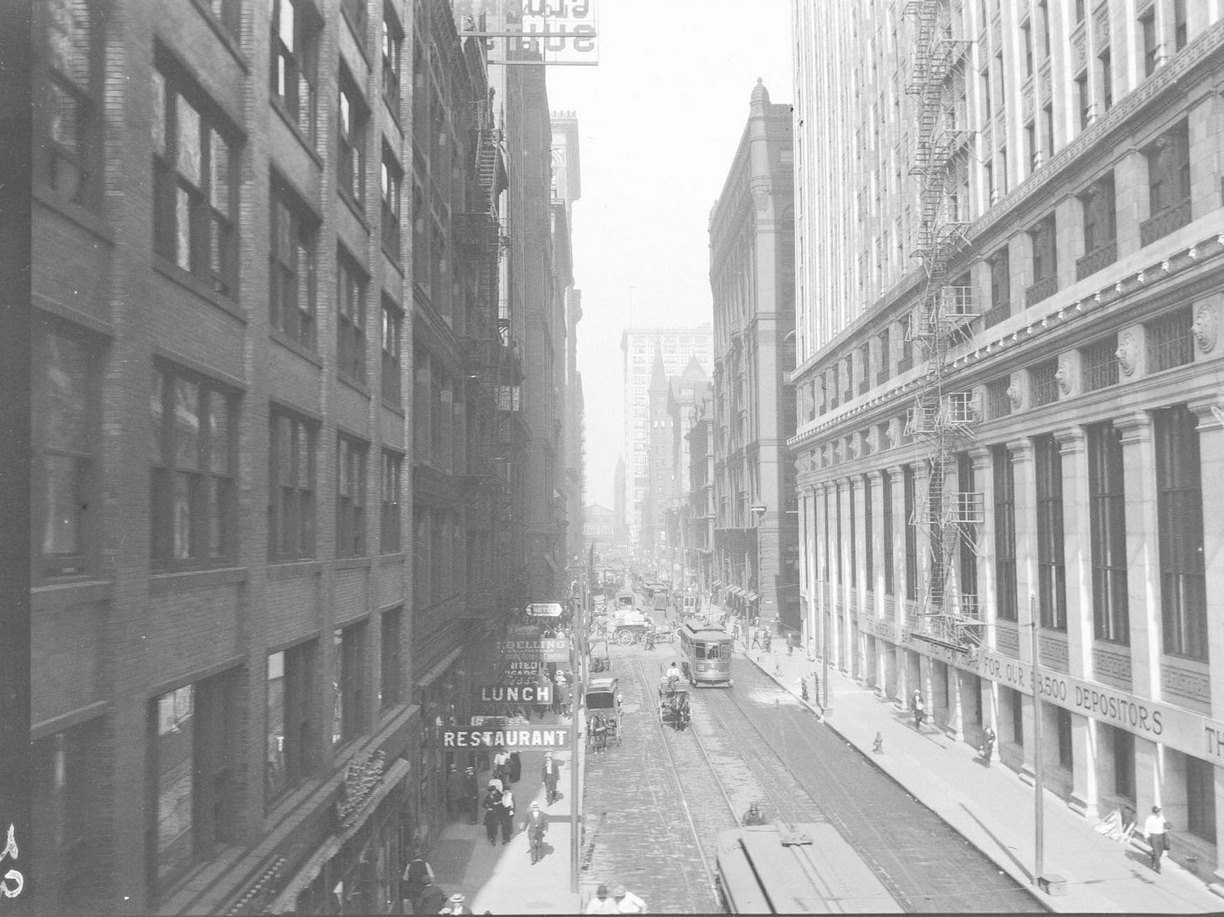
1157	721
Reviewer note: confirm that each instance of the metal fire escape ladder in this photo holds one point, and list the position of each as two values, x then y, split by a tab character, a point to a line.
941	417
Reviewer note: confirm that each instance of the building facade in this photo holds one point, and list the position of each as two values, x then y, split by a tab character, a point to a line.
1013	443
753	283
701	514
253	353
638	345
683	399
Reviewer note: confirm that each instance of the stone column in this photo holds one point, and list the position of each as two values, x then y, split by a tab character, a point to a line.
983	481
1133	194
1024	499
1077	557
1206	135
897	536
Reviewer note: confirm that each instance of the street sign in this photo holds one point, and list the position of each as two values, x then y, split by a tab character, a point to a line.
544	610
543	649
516	694
510	737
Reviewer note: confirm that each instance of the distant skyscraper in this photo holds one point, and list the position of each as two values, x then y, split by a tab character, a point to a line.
678	346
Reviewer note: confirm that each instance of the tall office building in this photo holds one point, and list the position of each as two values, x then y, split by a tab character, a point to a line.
1009	383
752	280
677	346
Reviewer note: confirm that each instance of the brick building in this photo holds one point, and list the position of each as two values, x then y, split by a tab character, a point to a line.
1024	431
254	351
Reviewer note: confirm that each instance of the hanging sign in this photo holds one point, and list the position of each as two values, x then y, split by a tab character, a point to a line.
509	737
516	694
544	610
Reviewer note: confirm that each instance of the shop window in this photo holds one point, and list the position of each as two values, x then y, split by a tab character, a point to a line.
1124	763
197	791
1200	799
1107	515
195	182
1066	751
391	692
290	724
1051	564
1016	702
349	682
194	460
64	472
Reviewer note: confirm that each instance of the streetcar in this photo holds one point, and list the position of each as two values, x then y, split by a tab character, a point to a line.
707	654
796	869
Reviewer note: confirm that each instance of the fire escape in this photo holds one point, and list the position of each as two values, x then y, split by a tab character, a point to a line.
493	371
942	417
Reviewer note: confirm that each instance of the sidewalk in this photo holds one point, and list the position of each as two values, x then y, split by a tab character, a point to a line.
502	879
993	808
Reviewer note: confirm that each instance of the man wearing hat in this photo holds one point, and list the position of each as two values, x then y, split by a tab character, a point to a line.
1154	827
454	792
536	826
431	900
493	808
455	905
627	902
601	903
552	773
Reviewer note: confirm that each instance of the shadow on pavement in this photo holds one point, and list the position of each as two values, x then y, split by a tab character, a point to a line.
1007	851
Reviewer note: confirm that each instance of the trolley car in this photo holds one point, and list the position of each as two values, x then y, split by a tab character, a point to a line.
707	654
796	869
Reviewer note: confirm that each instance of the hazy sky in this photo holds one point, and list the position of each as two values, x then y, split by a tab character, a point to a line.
659	120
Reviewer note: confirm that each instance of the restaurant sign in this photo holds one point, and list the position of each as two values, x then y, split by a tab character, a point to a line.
509	737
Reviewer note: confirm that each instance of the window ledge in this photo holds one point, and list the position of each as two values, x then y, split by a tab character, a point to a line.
396	407
162	582
349	562
229	39
391	559
355	207
279	106
359	387
66	591
193	284
300	349
279	570
77	213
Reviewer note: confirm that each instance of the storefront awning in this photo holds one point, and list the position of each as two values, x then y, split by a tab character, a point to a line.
752	597
736	591
437	671
286	901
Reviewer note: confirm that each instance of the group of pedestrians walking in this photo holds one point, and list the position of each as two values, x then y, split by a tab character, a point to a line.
615	900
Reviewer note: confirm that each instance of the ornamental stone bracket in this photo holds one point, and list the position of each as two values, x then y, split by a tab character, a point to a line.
1067	374
1128	352
1205	324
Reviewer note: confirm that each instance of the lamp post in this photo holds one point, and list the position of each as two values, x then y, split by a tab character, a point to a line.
758	511
1038	768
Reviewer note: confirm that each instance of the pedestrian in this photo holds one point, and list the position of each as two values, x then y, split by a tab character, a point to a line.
919	706
492	810
417	874
471	794
515	767
507	815
454	792
501	764
431	900
552	773
455	905
767	639
535	825
988	744
1154	827
756	639
627	902
790	644
601	903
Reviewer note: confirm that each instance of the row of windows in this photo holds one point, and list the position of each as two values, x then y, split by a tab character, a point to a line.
1180	548
193	455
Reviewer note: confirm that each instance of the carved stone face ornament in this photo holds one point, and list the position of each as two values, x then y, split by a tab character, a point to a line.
1062	376
1127	353
1204	328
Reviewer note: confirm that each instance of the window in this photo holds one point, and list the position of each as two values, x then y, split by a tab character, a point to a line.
392	179
195	186
1169	169
907	345
1045	261
1170	339
1123	762
1179	501
193	453
292	256
295	48
1147	31
1099	363
986	95
69	101
350	161
1005	533
1016	702
1107	514
1079	11
911	534
1100	227
390	496
350	328
349	682
1047	130
887	523
1062	727
1026	36
392	323
1082	102
1043	382
291	487
392	58
869	548
1051	564
1030	145
968	533
998	402
196	796
350	497
1179	24
1000	288
392	660
885	358
1105	65
290	724
1200	799
66	778
1043	31
65	407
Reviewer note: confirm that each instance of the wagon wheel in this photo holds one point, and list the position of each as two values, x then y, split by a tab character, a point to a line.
624	637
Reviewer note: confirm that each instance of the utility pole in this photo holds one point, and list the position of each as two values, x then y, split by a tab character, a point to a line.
1038	768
